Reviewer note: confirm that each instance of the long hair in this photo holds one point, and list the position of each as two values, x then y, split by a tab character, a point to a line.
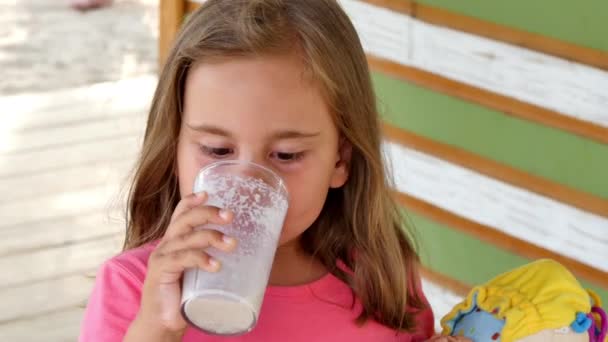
360	225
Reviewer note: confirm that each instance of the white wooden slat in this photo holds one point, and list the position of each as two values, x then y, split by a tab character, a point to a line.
441	299
571	88
44	139
567	87
542	221
70	229
53	262
119	147
62	326
45	296
67	179
58	205
381	31
101	100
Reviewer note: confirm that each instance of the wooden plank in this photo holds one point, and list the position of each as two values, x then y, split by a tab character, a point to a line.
500	239
402	6
60	157
383	32
87	103
544	151
442	292
67	179
539	185
451	285
62	204
548	45
192	6
60	326
171	15
492	100
60	135
538	42
36	266
531	77
34	299
517	81
441	299
61	231
515	219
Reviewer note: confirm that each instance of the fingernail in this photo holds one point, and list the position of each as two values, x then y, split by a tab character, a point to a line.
200	194
214	263
228	240
225	214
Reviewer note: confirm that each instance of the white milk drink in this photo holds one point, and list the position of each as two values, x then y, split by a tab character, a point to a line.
228	302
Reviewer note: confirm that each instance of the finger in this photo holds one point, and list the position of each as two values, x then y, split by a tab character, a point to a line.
437	339
189	202
199	239
178	261
196	217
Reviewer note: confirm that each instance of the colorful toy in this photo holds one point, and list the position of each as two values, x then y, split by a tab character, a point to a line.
540	301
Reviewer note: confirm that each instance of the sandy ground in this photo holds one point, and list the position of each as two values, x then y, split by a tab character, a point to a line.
45	45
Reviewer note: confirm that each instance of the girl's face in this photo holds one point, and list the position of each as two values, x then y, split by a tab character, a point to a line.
263	109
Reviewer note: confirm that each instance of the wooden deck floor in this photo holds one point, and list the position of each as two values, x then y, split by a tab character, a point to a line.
67	142
64	160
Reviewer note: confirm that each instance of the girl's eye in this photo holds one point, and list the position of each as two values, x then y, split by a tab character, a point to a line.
285	157
216	152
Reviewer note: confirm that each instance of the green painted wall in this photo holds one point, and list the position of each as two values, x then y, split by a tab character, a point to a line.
546	152
550	153
466	258
583	22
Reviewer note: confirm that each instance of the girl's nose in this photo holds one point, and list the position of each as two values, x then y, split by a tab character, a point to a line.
254	155
256	164
249	168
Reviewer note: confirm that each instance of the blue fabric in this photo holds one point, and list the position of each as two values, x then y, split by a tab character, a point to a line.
582	323
477	325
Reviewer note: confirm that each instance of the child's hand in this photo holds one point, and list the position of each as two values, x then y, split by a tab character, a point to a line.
181	247
441	338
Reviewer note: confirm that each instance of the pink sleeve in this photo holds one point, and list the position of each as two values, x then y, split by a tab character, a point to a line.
113	304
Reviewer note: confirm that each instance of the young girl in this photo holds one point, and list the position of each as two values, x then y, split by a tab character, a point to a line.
283	83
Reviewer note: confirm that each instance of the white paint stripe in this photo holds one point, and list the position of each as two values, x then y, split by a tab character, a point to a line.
555	226
573	89
442	300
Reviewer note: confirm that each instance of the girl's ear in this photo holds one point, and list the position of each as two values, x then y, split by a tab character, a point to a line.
342	167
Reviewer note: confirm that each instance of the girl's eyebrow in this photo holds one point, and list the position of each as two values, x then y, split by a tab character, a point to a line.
282	135
279	135
214	130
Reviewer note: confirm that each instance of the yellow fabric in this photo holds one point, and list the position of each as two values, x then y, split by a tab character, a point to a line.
537	296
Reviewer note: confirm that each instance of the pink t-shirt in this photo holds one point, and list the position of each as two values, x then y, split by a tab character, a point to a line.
299	313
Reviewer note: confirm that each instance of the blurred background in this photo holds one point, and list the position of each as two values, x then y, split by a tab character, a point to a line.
495	119
74	92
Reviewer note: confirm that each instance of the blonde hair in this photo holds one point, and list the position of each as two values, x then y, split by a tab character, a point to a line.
360	224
